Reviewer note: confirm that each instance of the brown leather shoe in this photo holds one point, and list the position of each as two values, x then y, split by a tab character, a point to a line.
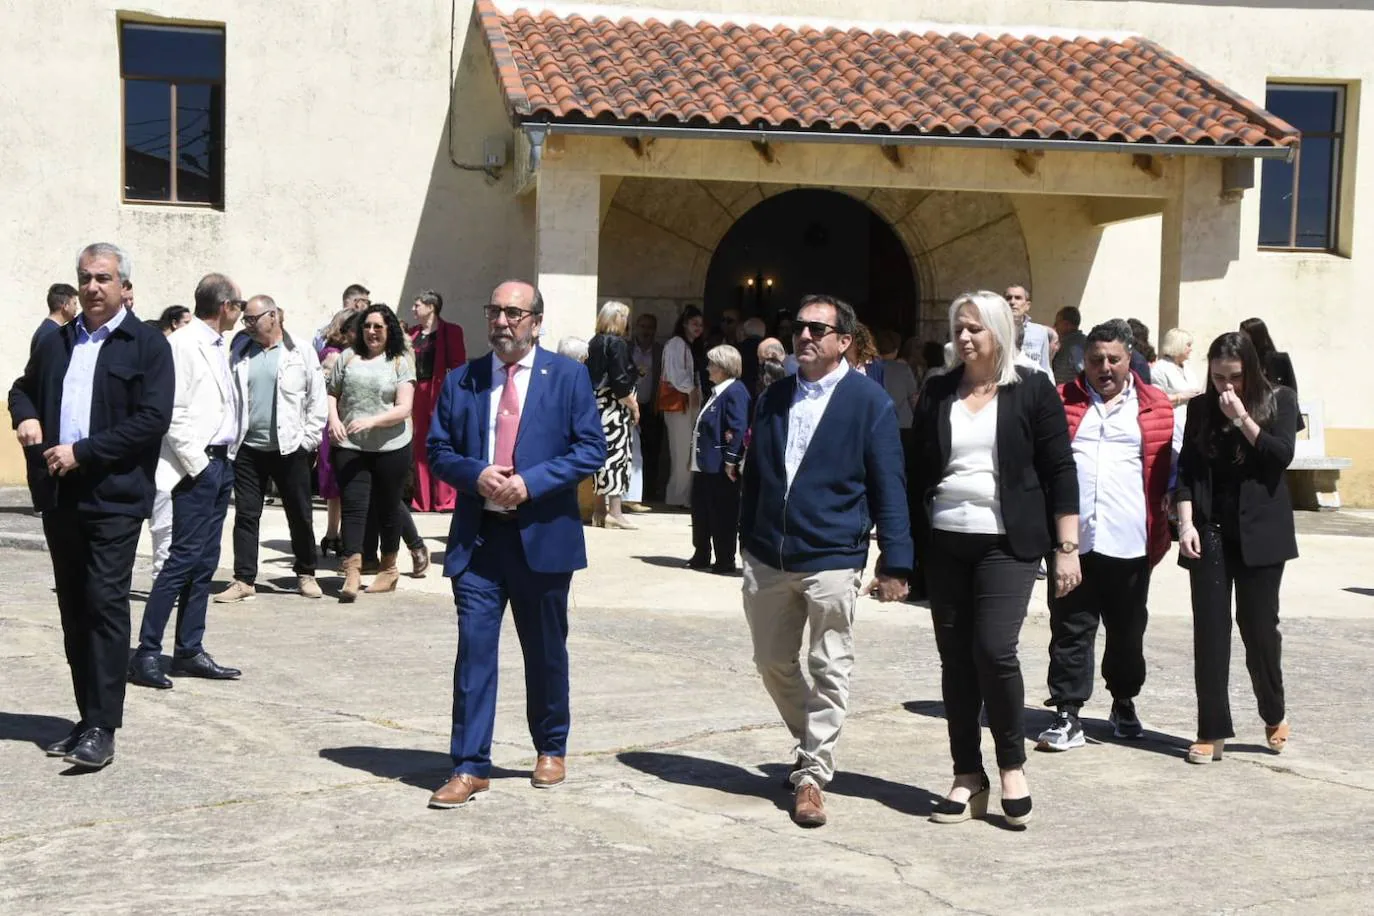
548	772
808	806
459	790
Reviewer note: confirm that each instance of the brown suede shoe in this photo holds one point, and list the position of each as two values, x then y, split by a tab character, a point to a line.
808	806
459	790
548	772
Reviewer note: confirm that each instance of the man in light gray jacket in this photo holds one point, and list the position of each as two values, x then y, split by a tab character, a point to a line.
283	413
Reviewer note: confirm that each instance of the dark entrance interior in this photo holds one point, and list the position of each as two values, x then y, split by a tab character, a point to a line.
813	241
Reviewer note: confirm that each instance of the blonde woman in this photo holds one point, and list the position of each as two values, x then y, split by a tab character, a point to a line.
613	379
1170	373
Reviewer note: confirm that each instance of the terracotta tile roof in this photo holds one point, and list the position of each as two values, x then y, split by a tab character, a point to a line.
828	79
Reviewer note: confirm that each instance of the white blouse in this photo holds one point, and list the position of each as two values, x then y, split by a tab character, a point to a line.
967	501
678	366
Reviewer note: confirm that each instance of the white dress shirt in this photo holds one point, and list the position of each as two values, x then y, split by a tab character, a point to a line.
498	385
228	432
1111	477
808	406
968	499
679	368
696	427
74	416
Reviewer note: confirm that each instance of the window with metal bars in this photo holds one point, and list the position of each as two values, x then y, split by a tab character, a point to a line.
173	82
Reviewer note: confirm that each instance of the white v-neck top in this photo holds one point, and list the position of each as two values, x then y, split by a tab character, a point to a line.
967	499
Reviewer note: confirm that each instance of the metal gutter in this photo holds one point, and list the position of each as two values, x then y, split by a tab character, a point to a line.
539	130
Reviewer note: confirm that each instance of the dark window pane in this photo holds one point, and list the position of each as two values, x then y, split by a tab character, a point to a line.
172	52
200	142
147	140
1314	110
1276	203
1315	193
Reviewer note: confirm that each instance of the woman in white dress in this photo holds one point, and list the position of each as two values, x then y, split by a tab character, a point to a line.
679	400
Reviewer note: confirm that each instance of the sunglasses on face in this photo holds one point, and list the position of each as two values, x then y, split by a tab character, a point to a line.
513	315
252	320
817	329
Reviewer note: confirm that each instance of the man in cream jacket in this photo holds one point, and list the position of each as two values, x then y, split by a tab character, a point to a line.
194	467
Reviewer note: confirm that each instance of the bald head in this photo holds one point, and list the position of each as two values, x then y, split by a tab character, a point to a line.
513	318
772	348
262	320
520	294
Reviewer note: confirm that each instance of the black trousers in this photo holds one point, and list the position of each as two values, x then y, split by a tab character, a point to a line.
1257	615
651	435
253	469
93	563
715	517
978	598
410	535
366	479
1113	591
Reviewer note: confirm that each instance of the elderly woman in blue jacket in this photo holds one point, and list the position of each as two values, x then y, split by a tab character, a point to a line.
717	447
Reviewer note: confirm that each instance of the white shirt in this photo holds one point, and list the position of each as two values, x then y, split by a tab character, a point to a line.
643	358
696	427
808	406
1111	478
1171	378
228	432
74	414
967	500
498	385
678	366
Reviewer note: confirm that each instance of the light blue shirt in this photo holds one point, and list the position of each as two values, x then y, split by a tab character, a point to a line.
808	406
79	382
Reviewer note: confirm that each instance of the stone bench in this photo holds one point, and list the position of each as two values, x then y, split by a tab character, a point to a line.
1313	476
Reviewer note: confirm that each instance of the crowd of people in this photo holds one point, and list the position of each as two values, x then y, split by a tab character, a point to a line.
1012	451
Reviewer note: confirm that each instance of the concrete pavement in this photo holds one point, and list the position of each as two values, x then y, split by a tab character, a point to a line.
303	786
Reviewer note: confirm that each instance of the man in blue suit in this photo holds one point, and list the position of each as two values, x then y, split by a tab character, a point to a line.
514	432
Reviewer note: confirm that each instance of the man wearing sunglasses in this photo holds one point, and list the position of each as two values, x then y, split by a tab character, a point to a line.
514	432
194	467
824	466
282	412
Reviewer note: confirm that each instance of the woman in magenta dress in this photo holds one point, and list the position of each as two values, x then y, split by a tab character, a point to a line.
336	338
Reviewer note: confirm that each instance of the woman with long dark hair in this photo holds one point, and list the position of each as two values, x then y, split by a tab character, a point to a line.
1237	443
371	390
679	400
1277	365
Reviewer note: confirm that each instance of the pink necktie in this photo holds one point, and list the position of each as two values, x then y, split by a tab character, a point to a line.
507	420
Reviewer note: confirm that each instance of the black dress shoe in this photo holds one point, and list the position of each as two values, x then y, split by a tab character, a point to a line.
146	671
203	665
64	747
698	562
93	751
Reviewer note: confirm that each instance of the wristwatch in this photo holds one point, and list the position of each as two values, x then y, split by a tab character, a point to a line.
1239	422
1066	547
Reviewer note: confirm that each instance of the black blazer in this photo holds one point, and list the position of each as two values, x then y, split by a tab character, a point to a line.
1037	477
1266	510
131	408
608	361
1279	369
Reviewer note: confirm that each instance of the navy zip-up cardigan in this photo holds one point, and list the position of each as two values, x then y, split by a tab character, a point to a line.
852	477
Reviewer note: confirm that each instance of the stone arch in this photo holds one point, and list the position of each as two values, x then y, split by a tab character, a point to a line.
658	237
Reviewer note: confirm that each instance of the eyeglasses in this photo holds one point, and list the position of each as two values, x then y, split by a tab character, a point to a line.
818	329
513	315
252	320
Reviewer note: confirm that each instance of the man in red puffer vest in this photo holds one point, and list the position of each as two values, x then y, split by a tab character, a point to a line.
1122	432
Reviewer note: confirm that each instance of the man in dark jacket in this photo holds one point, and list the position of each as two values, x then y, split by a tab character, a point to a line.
830	435
95	401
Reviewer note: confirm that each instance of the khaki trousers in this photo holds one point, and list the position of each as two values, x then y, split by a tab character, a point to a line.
778	606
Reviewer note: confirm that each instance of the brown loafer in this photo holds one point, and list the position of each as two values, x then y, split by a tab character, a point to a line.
459	790
548	772
808	806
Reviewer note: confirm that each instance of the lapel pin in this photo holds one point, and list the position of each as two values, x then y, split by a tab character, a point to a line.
543	372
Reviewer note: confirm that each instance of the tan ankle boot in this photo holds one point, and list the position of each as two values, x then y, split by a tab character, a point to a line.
387	576
352	569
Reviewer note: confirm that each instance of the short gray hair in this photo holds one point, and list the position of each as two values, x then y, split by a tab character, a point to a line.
995	315
108	249
1175	343
574	348
727	359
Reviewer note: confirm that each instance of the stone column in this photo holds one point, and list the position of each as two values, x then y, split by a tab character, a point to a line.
1200	242
567	239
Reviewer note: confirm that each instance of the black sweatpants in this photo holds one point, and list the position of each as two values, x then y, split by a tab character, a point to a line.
978	598
253	469
1113	591
1257	615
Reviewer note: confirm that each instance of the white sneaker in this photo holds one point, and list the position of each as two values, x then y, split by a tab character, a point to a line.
1065	734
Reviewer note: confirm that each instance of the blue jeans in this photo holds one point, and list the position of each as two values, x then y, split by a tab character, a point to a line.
539	603
199	505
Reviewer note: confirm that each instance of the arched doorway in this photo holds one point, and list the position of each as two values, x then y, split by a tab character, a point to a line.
813	240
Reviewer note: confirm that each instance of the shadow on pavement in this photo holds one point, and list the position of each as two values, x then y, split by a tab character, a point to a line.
665	562
426	770
1097	731
38	730
1355	590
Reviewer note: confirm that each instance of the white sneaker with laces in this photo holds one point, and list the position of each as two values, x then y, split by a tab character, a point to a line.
1065	734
